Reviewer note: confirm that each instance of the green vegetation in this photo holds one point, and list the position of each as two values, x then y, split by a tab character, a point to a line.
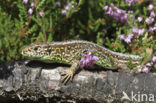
23	22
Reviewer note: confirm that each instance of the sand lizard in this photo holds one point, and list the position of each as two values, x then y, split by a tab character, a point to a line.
70	52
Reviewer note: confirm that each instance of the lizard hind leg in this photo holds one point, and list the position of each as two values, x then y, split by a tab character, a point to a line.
69	74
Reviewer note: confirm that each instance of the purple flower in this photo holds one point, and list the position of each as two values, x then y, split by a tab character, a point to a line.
30	11
152	14
120	11
135	30
149	65
112	4
88	60
121	16
140	19
152	28
146	70
116	13
116	16
130	2
58	3
41	13
130	35
154	59
64	12
110	11
124	19
25	1
116	8
32	4
150	7
141	31
105	7
131	12
149	20
67	6
127	40
138	31
139	69
122	37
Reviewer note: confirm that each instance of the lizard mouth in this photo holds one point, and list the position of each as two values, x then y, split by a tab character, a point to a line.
25	52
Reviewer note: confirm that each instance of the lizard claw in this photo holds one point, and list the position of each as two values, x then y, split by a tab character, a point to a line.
68	76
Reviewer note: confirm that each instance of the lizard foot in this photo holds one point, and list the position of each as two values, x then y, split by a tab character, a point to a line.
68	76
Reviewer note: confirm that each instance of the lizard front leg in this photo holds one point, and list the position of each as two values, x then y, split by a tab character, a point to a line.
69	74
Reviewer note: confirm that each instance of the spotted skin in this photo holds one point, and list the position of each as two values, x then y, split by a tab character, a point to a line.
70	52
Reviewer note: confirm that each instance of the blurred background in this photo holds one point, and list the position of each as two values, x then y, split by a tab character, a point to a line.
126	26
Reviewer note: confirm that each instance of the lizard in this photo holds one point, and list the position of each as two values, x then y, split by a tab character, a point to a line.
70	52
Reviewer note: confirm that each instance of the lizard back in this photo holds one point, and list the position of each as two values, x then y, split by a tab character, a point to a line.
67	52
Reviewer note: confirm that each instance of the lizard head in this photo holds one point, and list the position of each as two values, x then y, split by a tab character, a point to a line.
33	51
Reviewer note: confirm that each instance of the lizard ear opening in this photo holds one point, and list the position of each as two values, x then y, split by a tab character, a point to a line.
49	51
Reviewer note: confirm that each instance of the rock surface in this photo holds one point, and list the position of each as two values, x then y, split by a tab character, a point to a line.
40	82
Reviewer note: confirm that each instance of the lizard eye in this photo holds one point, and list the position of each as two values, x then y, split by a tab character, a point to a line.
35	48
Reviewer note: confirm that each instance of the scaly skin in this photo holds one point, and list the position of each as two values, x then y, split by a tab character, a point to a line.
70	52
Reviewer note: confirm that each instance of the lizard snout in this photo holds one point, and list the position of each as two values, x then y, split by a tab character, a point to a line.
25	51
